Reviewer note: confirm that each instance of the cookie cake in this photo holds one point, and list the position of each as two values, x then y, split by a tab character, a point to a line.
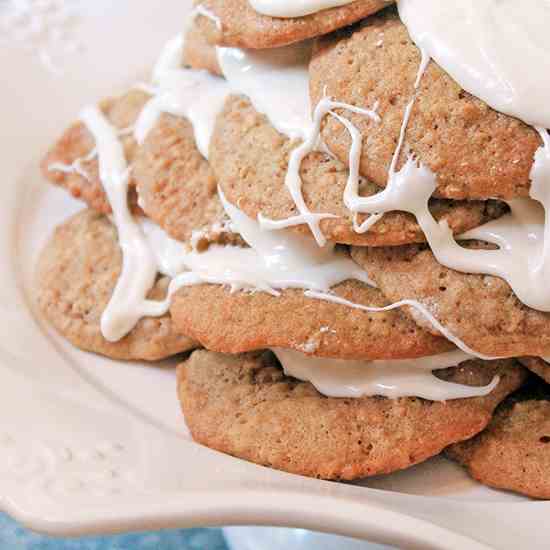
334	213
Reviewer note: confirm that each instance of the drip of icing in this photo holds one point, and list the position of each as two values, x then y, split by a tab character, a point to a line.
169	255
389	378
293	180
494	49
281	260
523	236
170	58
423	310
277	84
75	167
139	270
294	8
275	260
197	95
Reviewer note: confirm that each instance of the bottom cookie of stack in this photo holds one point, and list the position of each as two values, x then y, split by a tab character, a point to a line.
246	406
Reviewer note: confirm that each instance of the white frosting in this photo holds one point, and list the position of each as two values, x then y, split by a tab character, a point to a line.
75	167
276	260
294	8
293	180
276	81
390	378
139	270
495	49
196	95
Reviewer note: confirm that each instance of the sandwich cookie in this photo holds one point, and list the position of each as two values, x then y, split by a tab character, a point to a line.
250	159
481	310
245	406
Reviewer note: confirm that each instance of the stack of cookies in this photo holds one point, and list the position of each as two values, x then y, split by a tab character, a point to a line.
350	239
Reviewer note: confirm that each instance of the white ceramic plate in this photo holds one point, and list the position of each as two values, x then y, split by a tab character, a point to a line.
89	445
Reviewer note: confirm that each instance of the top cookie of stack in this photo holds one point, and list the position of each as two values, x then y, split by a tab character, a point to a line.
262	24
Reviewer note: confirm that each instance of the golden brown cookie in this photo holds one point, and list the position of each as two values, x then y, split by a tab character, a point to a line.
77	142
76	275
513	453
476	152
241	26
236	322
175	184
198	53
245	406
481	310
537	365
250	160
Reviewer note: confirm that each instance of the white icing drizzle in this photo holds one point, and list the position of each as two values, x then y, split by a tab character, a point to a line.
421	308
276	260
139	270
389	378
197	95
495	49
170	58
293	180
277	84
294	8
75	167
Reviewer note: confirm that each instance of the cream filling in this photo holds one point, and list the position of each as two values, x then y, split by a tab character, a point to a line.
294	8
495	49
276	260
389	378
